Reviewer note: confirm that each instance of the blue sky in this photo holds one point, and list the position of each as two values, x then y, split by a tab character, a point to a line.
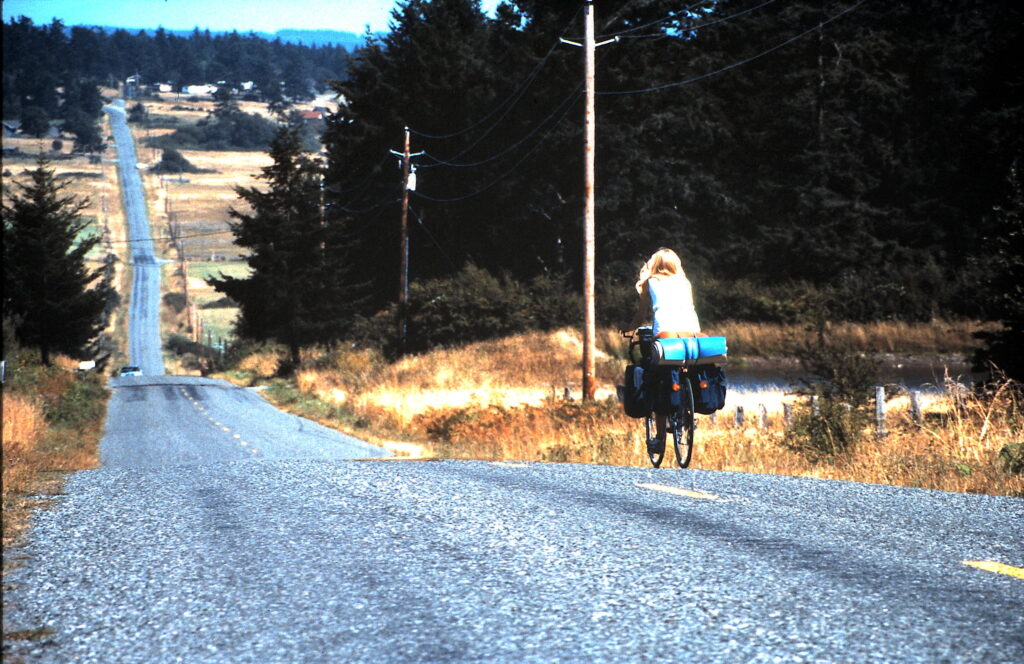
242	15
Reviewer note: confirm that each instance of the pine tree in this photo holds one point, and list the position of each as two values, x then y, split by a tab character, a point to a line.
55	299
1006	286
298	293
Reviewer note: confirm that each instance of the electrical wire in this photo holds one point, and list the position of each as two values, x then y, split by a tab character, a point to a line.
740	63
164	239
506	173
363	182
540	125
430	235
687	10
509	101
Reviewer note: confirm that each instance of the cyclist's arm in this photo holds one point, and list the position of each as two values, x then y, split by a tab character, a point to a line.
643	309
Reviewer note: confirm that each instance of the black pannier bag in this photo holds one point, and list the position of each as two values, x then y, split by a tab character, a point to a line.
709	385
637	394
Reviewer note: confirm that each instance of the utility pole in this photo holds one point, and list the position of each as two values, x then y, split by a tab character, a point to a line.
589	137
403	290
408	182
589	144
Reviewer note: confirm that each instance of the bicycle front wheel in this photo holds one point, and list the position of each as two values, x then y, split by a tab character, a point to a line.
655	447
682	422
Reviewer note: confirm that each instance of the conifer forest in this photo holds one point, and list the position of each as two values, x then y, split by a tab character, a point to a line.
855	157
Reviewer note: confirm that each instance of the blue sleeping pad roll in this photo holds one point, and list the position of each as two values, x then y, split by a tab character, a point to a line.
690	351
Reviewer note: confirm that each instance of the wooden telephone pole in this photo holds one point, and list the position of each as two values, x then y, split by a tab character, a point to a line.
403	288
589	139
589	144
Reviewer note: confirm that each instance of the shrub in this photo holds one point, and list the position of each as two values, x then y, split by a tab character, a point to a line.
841	378
82	404
175	301
173	161
474	305
833	431
1012	458
229	131
138	113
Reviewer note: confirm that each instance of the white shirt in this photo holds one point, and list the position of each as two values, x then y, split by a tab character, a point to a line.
672	301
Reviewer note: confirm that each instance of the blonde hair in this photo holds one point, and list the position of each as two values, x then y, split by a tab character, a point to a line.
663	263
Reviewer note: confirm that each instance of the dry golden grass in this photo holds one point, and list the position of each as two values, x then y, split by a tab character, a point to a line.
23	428
37	452
770	340
504	400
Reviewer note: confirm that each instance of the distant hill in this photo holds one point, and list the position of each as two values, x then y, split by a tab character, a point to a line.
347	40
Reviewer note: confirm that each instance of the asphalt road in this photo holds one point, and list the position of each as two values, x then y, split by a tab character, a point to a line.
187	547
144	315
221	530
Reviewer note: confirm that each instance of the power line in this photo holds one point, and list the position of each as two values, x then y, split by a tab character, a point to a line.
179	237
363	182
624	34
540	125
430	235
509	101
734	65
512	168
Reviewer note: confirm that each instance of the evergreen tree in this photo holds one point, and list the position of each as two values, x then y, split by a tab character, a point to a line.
34	121
52	296
86	130
1006	286
297	293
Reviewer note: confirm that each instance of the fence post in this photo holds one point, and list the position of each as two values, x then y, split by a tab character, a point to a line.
787	413
739	417
880	412
815	406
915	406
764	415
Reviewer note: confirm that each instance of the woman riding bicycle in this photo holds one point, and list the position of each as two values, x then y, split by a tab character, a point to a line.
666	296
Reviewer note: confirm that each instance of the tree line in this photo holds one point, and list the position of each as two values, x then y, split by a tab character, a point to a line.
848	151
40	61
840	159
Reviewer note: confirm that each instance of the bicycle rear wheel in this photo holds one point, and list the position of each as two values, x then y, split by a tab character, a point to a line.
682	423
655	448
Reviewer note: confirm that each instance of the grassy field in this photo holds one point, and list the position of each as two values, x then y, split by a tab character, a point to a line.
195	208
505	399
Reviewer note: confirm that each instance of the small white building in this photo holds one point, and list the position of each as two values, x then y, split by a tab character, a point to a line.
204	89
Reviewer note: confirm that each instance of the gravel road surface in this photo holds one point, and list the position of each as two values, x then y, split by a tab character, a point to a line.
144	315
318	560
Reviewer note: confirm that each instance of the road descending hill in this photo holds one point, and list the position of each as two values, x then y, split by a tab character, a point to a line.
219	529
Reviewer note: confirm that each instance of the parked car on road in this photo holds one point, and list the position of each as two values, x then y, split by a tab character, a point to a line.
129	371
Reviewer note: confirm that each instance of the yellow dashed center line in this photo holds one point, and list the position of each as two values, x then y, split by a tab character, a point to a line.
676	491
998	568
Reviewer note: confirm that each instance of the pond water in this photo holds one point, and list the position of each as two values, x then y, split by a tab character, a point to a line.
920	374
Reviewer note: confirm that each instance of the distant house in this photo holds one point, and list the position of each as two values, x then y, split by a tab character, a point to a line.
132	86
311	116
165	87
204	89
